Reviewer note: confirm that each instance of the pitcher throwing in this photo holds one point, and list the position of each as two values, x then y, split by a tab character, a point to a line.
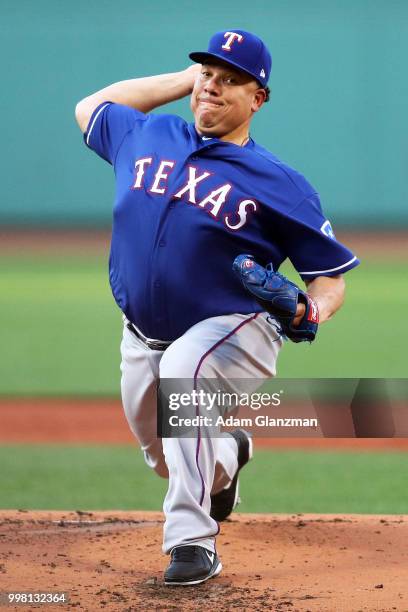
190	199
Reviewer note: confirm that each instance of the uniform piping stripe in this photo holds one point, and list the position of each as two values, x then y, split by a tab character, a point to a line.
331	269
211	350
93	122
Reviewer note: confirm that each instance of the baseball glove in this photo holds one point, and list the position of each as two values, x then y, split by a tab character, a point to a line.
280	297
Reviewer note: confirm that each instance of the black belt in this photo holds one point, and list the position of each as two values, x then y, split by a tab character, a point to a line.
154	345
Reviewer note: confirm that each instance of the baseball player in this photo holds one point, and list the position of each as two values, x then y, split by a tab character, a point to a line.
200	209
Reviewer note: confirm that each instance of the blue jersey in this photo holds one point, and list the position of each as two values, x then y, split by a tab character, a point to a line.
186	205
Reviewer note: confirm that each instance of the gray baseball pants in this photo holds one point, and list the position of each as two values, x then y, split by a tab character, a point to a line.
233	346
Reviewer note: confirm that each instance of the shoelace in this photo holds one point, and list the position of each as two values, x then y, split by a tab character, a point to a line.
184	553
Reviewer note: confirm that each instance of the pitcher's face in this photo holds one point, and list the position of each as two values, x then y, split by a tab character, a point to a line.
224	98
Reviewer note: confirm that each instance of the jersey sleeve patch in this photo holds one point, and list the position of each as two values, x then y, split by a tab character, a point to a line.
327	230
310	242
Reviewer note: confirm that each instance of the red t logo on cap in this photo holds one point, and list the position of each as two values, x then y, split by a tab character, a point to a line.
231	37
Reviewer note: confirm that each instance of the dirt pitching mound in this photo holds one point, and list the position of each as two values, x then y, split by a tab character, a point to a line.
113	561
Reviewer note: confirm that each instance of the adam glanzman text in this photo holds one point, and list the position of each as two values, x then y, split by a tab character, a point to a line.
259	421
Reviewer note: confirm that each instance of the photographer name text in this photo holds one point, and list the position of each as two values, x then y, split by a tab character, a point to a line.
230	421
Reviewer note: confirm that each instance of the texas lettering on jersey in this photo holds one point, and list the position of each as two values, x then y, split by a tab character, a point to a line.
255	204
212	203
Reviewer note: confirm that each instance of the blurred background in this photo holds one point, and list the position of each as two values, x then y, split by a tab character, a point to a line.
337	114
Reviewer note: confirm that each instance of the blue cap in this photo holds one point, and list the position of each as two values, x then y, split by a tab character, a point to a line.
240	49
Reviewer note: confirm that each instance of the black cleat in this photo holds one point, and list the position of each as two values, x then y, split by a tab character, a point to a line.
224	502
191	565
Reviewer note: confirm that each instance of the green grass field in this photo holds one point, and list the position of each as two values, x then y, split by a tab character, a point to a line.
60	332
90	478
60	328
